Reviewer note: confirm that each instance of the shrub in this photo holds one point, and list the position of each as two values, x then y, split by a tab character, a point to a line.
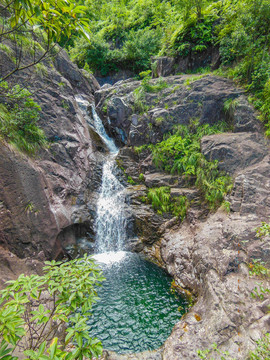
153	87
29	321
180	153
18	119
139	47
263	230
162	202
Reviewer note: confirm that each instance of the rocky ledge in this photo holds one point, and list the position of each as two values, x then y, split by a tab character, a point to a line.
208	253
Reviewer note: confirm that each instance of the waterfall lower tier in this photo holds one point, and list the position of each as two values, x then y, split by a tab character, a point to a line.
111	220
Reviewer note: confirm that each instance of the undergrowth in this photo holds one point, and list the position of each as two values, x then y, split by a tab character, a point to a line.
263	349
163	202
19	114
180	154
147	86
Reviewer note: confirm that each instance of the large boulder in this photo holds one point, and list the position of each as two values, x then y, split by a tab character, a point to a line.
184	100
234	151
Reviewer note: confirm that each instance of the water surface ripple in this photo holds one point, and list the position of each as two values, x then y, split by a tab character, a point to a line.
136	310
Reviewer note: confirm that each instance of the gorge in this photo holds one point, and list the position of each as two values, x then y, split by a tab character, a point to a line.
89	190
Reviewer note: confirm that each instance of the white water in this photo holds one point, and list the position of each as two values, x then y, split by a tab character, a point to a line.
111	220
96	123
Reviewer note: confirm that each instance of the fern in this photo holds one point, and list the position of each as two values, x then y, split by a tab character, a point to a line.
162	202
180	154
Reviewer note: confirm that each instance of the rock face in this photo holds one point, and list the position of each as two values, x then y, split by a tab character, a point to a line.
234	152
209	253
44	199
211	258
166	66
11	267
184	99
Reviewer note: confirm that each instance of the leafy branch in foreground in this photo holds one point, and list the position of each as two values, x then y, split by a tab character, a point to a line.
34	308
51	20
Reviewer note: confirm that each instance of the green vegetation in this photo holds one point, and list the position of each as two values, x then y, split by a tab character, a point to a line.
125	34
258	268
147	86
263	230
141	177
150	87
262	351
223	355
34	308
130	180
180	153
18	119
163	202
244	46
48	22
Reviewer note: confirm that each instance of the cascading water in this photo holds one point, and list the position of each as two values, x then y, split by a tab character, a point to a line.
136	310
110	221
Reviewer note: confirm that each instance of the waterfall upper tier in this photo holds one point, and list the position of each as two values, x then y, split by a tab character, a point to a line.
96	123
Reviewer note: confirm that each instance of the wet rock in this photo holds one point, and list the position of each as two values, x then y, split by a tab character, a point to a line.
146	223
118	113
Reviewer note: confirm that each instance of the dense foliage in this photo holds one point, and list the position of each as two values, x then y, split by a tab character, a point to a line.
34	22
126	33
163	202
35	308
19	114
180	153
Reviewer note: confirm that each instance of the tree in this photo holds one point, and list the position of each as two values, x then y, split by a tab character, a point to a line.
38	21
190	6
34	308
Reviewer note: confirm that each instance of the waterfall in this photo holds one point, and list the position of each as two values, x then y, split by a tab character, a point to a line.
110	222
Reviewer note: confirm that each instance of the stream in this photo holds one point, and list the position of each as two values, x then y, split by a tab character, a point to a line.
137	309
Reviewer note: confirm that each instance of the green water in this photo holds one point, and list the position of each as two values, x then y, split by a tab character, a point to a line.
136	310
